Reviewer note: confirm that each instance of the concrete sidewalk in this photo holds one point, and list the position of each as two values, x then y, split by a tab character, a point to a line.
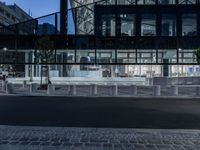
49	138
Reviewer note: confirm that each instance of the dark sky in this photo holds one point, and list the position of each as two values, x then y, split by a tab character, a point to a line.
37	7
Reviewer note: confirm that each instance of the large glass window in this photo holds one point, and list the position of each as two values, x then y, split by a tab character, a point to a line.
127	24
146	2
148	25
187	2
65	56
108	25
126	2
168	25
146	56
85	56
167	56
189	24
187	56
126	56
105	56
166	2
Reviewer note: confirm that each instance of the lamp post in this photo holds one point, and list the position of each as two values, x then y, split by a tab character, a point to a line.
4	50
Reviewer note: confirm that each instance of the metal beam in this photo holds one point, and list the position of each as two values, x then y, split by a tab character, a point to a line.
63	16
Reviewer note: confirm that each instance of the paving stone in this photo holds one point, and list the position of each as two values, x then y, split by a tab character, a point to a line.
164	147
78	144
67	144
56	144
35	143
48	138
151	147
4	142
107	145
93	145
24	143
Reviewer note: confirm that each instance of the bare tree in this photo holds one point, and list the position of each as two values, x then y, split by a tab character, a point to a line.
44	47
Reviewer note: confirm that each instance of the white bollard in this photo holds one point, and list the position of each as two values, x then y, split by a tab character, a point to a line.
134	90
114	90
51	89
174	90
33	87
94	91
156	90
68	89
73	90
198	90
9	88
24	84
4	83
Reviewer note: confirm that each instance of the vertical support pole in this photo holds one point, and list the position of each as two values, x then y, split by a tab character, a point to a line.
51	89
94	90
156	90
63	16
174	90
114	90
198	90
134	90
9	88
73	91
24	84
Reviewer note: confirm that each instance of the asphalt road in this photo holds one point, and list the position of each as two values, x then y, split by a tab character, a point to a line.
100	112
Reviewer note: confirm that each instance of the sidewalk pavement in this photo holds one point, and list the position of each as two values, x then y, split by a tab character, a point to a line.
63	138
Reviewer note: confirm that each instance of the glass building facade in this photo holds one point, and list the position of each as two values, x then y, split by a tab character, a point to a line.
112	38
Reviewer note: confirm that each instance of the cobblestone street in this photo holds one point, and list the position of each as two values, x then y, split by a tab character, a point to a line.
49	138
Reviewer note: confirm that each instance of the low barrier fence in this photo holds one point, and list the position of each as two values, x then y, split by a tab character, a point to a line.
97	89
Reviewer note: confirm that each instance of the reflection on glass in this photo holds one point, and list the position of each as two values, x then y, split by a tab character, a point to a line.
166	2
105	56
168	25
125	2
126	56
187	2
127	24
108	25
148	25
146	2
189	24
65	56
85	56
169	56
187	56
146	56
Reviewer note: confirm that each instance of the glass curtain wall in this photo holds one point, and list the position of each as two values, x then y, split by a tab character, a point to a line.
168	25
189	25
127	24
108	24
148	25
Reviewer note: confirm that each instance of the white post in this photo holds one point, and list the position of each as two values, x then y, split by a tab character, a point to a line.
4	83
33	87
174	90
134	90
198	90
9	88
114	90
73	90
156	90
27	66
24	84
51	89
93	89
68	89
